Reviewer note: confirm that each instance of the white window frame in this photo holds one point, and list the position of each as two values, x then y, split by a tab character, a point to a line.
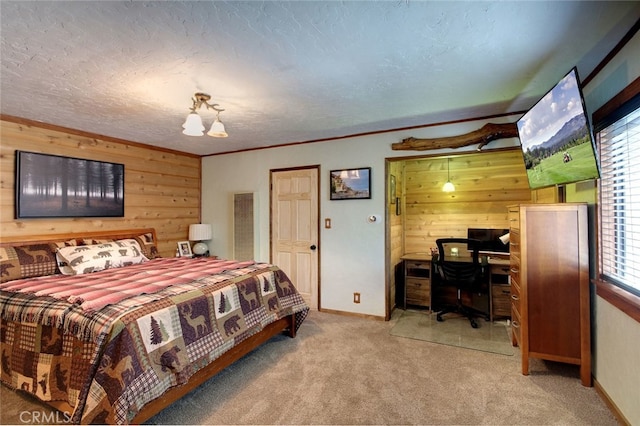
611	291
619	149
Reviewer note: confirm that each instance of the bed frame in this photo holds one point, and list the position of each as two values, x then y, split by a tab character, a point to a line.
286	324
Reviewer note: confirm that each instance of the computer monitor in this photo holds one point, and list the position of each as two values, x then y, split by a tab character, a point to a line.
489	238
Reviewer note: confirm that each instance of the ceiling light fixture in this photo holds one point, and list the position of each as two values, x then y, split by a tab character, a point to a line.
193	124
448	187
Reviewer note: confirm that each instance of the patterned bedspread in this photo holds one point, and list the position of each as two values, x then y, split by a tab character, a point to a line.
129	353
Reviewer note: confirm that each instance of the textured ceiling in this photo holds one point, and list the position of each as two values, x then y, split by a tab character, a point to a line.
288	72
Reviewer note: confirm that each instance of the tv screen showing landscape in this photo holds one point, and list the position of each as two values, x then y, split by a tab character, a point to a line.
556	138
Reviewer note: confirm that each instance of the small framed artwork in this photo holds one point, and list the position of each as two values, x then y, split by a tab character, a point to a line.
350	184
184	248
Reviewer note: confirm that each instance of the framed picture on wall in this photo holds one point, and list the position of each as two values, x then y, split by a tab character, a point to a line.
350	184
55	186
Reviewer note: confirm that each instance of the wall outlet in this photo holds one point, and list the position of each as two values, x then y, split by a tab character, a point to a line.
356	297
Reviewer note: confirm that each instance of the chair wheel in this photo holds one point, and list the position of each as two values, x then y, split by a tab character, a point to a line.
474	324
439	318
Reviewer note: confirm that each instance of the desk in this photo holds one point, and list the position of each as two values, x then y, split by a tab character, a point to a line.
418	280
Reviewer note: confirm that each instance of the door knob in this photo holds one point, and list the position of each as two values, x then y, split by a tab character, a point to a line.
313	247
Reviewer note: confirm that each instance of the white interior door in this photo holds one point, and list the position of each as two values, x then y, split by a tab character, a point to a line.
294	228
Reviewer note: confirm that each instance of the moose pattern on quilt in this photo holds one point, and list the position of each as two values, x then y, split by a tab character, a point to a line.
147	349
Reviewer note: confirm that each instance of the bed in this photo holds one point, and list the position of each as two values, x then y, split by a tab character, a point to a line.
100	327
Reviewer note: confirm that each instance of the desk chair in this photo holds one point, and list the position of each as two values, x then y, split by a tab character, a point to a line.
463	271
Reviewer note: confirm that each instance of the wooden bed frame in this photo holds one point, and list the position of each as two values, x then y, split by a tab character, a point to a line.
287	324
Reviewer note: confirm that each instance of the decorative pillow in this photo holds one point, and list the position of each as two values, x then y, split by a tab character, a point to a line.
97	257
93	241
34	260
148	246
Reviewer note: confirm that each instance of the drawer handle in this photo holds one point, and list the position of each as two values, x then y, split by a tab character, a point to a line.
515	324
514	244
515	297
515	270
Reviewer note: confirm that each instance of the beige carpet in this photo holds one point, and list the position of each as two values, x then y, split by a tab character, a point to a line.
346	370
455	331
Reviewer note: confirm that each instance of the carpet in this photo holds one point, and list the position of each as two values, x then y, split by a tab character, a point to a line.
348	370
455	331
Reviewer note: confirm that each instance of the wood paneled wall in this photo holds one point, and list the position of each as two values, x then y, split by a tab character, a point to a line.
395	237
162	187
486	183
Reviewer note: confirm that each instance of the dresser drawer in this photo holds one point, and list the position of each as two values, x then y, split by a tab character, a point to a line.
417	268
501	300
514	217
514	242
418	291
515	299
516	332
514	272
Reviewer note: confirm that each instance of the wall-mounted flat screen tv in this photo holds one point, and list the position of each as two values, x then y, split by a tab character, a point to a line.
556	139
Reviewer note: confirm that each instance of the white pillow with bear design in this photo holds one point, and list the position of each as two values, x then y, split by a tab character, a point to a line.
97	257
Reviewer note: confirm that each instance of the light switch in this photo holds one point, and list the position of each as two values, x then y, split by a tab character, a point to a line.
327	223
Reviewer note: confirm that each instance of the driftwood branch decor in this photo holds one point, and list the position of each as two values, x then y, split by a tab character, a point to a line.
482	136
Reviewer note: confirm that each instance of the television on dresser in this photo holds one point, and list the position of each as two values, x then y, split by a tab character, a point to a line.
556	139
489	238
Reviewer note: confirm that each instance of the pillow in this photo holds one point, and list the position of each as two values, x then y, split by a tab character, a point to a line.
147	245
27	261
94	241
97	257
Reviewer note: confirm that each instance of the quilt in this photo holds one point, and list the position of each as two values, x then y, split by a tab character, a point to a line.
108	363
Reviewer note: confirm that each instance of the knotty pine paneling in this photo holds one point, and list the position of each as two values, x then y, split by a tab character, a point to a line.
396	235
486	183
162	188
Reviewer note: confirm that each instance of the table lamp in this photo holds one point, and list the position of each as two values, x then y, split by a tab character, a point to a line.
505	238
200	232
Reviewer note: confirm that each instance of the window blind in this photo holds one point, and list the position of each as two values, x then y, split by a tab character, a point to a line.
619	145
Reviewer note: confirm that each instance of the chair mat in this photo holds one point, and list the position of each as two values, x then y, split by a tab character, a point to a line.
455	331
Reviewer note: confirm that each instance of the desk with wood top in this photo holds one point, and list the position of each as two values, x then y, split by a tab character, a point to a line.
418	273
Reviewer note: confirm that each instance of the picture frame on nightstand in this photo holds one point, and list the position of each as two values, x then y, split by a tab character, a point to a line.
184	248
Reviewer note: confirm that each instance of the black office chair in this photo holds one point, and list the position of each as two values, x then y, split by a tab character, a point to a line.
461	268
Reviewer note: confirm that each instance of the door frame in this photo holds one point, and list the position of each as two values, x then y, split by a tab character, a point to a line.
319	244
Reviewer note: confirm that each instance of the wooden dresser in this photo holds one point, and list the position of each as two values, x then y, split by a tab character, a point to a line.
549	272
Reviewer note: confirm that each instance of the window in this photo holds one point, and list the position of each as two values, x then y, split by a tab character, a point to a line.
618	139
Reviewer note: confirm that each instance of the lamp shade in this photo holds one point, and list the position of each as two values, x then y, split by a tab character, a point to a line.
199	232
217	130
506	238
193	125
448	187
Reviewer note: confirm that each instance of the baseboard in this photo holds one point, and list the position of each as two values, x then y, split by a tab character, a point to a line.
609	402
352	314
